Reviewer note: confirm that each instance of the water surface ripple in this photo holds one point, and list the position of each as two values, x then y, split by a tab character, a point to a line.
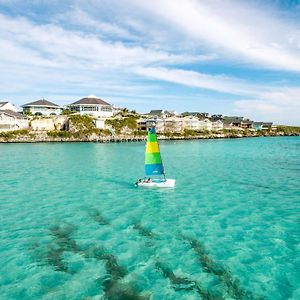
73	226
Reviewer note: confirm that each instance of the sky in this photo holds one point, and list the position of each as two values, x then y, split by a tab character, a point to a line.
228	57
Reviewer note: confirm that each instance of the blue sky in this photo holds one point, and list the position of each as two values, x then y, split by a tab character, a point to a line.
230	57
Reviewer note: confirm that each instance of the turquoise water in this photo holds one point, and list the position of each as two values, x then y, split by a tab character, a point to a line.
73	226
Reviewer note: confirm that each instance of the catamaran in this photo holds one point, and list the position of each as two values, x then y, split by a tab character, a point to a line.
154	168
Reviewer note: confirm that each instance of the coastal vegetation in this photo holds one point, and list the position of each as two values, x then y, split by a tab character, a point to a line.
14	133
288	130
74	127
119	124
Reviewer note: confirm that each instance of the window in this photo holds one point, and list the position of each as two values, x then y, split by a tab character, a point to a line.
106	108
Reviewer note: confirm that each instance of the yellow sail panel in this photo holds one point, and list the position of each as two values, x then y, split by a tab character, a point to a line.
152	147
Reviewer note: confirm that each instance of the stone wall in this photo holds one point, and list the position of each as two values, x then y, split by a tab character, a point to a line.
49	124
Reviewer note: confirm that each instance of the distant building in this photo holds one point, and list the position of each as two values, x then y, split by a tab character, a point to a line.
217	125
92	106
156	113
162	113
7	106
190	122
11	120
173	124
42	108
232	122
157	123
267	125
257	126
246	124
205	124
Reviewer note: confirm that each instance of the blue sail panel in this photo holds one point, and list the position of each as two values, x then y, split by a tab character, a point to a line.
154	169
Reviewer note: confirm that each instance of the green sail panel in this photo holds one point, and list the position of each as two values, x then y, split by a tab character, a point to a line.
153	162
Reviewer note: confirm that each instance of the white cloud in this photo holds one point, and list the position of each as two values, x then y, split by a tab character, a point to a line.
219	83
233	29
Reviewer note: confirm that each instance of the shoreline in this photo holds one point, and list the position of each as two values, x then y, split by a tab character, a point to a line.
93	138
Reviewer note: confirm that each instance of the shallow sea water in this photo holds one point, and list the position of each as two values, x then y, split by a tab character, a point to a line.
73	226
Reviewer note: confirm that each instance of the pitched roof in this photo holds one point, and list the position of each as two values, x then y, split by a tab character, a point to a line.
41	102
12	113
3	103
91	100
156	112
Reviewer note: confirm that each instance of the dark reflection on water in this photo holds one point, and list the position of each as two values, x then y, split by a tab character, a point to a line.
115	285
97	216
142	230
232	285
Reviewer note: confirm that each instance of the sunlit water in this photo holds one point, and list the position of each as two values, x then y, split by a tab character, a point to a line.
73	226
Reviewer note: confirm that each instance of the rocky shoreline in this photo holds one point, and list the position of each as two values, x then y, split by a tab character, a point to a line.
43	137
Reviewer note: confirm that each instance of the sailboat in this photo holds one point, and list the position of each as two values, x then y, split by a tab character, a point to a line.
154	168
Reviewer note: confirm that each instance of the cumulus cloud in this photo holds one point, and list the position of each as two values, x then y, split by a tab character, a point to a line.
130	48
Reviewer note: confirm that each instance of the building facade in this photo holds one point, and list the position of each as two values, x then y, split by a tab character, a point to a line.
11	120
190	122
8	106
173	124
92	106
42	108
205	124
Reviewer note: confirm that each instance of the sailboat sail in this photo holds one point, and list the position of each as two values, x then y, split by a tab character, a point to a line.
153	162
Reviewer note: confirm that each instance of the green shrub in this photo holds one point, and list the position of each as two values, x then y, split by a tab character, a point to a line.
14	133
84	122
288	129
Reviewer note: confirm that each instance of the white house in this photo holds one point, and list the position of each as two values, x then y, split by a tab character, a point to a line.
217	125
11	120
92	106
205	124
173	124
157	123
7	106
42	108
190	122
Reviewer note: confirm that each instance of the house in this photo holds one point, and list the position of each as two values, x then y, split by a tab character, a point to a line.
246	124
190	122
173	124
142	124
267	125
156	113
42	108
257	126
205	124
162	113
11	120
217	125
157	123
7	106
93	106
232	122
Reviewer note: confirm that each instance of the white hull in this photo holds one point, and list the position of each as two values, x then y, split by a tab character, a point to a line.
169	183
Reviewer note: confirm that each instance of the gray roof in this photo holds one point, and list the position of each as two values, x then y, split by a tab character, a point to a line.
12	113
90	100
156	112
2	103
257	123
247	122
41	102
267	123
